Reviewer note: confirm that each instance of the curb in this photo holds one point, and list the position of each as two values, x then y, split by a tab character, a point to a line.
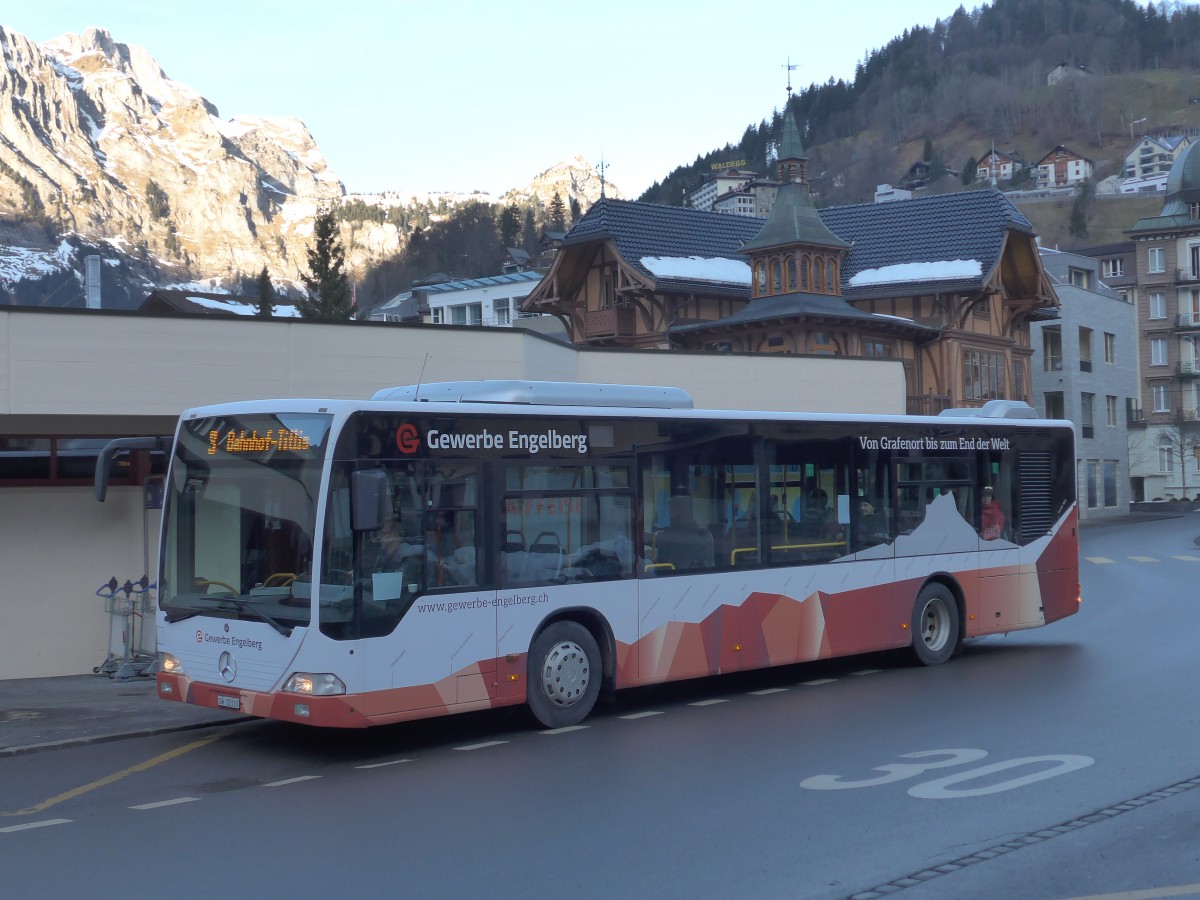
67	743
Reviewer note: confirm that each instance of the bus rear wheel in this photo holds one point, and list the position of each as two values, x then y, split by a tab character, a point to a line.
564	674
935	626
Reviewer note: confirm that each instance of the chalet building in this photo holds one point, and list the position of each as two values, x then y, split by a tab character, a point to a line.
946	284
1062	167
995	166
1163	461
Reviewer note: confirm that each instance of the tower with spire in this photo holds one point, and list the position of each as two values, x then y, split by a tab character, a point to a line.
794	251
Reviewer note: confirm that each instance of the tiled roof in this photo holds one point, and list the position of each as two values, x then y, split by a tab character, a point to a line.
647	229
961	225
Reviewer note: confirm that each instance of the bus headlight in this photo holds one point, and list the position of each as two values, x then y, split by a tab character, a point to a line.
169	663
316	684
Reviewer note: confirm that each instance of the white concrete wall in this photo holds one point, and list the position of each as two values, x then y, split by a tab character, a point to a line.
116	374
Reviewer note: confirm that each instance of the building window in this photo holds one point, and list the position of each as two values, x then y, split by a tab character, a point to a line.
1093	483
1079	277
1156	260
1085	349
438	315
1052	350
1194	210
1166	456
1110	482
776	277
1086	423
1018	379
503	311
983	375
1054	405
1113	268
820	342
876	348
1162	397
1158	351
791	273
1158	305
1110	407
1110	348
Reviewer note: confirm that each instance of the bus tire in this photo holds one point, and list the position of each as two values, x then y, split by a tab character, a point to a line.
564	674
935	625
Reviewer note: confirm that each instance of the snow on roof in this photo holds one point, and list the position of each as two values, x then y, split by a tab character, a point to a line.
943	270
698	268
242	309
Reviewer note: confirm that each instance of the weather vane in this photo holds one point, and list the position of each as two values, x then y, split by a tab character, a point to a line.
600	168
790	69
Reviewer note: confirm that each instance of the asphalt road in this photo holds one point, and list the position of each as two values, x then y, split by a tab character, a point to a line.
1056	763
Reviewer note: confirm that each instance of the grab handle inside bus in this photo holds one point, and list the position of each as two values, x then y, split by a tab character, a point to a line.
370	499
104	460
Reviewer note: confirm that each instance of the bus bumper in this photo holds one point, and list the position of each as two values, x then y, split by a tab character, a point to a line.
326	712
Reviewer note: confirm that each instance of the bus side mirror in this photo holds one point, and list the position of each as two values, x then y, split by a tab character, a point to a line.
370	497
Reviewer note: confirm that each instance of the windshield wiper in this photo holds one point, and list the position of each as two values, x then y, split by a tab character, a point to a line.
182	614
247	606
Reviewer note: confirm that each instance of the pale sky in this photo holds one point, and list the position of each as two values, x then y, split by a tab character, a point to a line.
458	96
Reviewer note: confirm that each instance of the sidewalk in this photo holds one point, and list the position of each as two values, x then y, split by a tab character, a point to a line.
73	710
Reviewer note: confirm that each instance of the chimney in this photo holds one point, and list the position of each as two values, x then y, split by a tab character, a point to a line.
92	281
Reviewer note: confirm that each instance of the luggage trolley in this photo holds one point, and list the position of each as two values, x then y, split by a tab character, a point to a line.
126	605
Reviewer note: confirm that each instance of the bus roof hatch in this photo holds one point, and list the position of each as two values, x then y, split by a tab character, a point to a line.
542	393
995	409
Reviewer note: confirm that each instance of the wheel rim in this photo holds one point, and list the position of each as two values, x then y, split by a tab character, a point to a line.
935	624
566	673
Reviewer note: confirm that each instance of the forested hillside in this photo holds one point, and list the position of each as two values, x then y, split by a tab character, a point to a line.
980	77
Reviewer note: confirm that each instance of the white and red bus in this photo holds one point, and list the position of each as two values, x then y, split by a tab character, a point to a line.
461	546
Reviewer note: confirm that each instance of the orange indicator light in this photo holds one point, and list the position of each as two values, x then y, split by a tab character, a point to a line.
514	677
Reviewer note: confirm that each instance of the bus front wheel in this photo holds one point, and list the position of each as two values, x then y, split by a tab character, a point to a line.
564	674
935	623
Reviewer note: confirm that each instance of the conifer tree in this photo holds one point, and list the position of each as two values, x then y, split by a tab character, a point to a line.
576	210
556	214
326	281
266	294
510	225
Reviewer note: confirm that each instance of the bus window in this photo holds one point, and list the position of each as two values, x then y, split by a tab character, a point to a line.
700	508
566	523
809	484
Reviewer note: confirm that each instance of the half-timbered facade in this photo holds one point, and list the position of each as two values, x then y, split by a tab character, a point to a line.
948	284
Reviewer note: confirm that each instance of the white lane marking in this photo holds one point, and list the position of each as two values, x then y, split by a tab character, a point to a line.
1102	560
28	825
642	715
566	729
765	691
712	702
818	681
867	672
942	788
161	803
1143	559
298	778
481	746
390	762
1187	558
1184	890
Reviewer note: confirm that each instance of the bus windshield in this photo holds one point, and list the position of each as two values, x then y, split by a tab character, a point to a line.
239	518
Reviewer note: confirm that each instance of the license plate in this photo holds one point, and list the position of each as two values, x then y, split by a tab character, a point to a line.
229	702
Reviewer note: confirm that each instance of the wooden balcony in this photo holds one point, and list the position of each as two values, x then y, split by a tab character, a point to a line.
608	323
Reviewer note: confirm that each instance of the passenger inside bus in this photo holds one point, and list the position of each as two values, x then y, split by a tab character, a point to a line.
991	516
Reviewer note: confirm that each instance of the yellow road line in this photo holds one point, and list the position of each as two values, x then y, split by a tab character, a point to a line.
117	776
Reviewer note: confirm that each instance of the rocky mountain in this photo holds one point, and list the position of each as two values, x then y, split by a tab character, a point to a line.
96	140
575	178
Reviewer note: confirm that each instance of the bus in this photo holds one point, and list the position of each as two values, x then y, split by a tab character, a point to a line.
462	546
